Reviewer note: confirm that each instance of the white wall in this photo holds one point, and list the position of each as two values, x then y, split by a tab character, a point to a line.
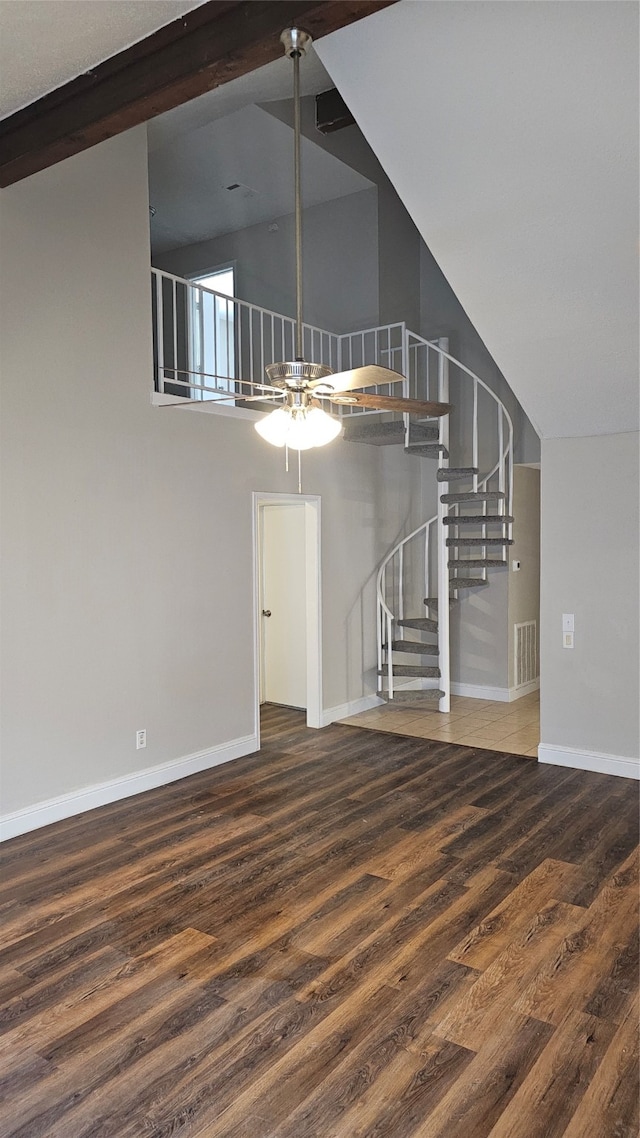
589	567
127	529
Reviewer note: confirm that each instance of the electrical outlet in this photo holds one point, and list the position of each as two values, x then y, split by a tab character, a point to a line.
567	640
141	739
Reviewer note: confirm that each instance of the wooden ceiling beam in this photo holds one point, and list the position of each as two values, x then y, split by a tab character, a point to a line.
208	46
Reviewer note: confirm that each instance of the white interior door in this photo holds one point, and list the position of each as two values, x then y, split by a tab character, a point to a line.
283	604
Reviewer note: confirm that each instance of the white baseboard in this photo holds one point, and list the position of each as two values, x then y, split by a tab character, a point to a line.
76	802
500	695
346	710
589	761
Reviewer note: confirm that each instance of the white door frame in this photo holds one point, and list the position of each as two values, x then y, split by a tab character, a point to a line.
314	598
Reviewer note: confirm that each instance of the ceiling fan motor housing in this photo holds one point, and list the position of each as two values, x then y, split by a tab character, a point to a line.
296	374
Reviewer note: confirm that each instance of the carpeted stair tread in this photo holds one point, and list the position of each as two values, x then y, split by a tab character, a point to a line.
369	429
432	602
428	450
415	649
479	541
450	472
477	519
475	563
469	582
400	695
427	431
416	670
422	622
474	496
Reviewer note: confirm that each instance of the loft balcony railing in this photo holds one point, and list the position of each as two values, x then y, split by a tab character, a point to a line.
208	346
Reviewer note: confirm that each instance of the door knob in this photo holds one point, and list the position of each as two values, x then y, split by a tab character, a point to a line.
266	612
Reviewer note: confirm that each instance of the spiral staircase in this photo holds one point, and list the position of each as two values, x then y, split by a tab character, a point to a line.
454	552
198	332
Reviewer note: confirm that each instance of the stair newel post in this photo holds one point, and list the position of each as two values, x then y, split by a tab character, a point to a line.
389	656
443	553
427	566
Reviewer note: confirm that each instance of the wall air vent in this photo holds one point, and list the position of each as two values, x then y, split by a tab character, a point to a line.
525	651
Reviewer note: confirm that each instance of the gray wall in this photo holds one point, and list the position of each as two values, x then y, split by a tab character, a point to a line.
589	549
480	633
524	585
398	241
482	620
340	251
127	529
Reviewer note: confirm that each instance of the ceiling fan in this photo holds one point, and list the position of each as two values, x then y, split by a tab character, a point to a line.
300	422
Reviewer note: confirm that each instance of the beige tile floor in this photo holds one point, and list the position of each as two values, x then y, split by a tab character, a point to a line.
512	727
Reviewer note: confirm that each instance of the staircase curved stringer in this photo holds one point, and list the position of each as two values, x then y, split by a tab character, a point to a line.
390	611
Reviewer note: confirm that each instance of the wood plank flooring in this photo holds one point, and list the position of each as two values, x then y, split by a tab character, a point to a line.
352	934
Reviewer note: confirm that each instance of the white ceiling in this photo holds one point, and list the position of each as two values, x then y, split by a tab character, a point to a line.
188	178
45	43
510	131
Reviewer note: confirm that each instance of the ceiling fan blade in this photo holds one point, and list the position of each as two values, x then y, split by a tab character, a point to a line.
268	396
370	376
389	403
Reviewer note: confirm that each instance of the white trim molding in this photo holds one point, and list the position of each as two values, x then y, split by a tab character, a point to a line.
589	761
353	707
313	566
90	797
500	695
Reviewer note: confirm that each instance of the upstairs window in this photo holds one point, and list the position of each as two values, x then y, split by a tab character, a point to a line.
212	330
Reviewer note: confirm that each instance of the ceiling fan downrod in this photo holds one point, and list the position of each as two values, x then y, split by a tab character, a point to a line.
296	44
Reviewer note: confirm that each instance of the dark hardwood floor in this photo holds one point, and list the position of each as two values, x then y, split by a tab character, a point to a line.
351	934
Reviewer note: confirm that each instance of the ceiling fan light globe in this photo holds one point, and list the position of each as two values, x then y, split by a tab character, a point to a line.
299	428
325	428
274	428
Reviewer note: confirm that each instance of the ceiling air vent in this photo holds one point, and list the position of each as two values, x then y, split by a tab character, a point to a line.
242	191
